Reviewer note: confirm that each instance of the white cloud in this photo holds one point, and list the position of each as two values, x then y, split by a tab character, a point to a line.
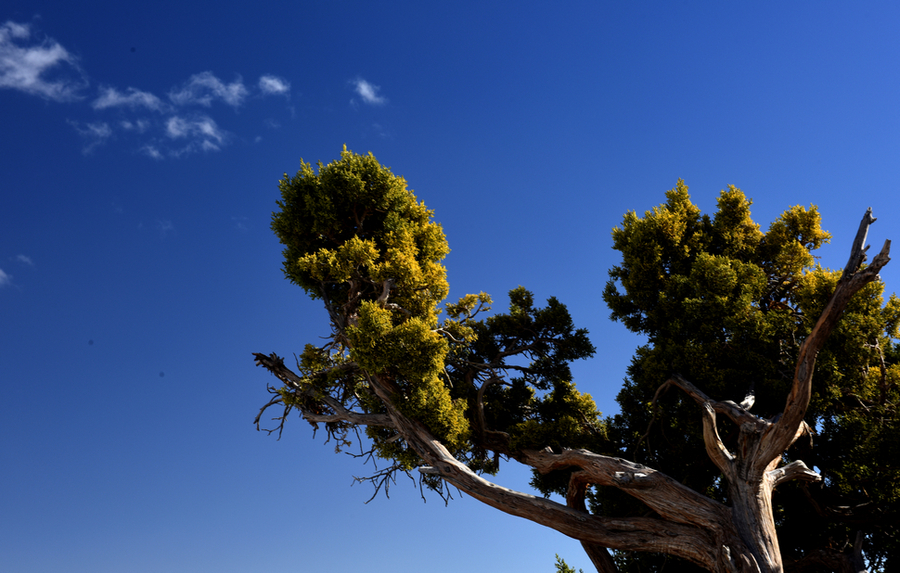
24	259
204	87
95	133
202	133
26	67
274	85
40	66
368	92
151	151
5	279
111	97
203	126
139	125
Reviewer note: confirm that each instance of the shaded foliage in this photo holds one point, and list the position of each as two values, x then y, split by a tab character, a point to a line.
727	306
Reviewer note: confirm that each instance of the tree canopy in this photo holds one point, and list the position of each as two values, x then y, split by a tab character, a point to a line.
728	311
728	306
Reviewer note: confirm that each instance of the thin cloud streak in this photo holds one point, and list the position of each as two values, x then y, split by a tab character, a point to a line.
204	87
24	259
152	152
111	97
178	127
26	67
165	227
5	279
95	134
139	126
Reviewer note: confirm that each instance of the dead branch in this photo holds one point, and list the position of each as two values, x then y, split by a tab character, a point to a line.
738	414
667	497
275	364
693	541
598	554
792	471
715	449
780	435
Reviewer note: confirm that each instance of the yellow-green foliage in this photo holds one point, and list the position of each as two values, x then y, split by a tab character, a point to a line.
566	419
356	237
411	348
412	354
353	225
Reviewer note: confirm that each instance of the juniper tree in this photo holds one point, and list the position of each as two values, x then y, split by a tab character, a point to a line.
728	311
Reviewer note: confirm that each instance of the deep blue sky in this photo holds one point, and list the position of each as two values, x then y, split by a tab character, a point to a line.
141	147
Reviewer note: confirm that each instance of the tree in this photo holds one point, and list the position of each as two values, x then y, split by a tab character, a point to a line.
563	567
449	398
729	307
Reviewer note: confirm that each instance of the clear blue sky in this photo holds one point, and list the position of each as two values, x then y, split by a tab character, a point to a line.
141	146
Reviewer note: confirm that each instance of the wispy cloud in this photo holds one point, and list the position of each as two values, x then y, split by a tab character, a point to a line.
158	126
368	92
5	279
240	223
138	125
204	87
134	98
202	130
164	227
151	151
94	133
24	259
27	66
273	85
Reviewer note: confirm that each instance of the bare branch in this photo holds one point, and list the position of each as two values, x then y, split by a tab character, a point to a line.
383	479
598	554
794	470
781	434
738	414
715	449
275	364
859	247
690	520
664	495
280	428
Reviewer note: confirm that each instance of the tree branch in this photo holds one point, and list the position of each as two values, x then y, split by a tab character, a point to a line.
781	434
275	364
715	449
794	470
738	414
598	554
665	496
694	541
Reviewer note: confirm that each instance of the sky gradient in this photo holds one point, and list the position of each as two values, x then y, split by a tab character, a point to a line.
141	148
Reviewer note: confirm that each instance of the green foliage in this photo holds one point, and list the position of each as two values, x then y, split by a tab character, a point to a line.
719	301
727	306
353	225
562	567
356	238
